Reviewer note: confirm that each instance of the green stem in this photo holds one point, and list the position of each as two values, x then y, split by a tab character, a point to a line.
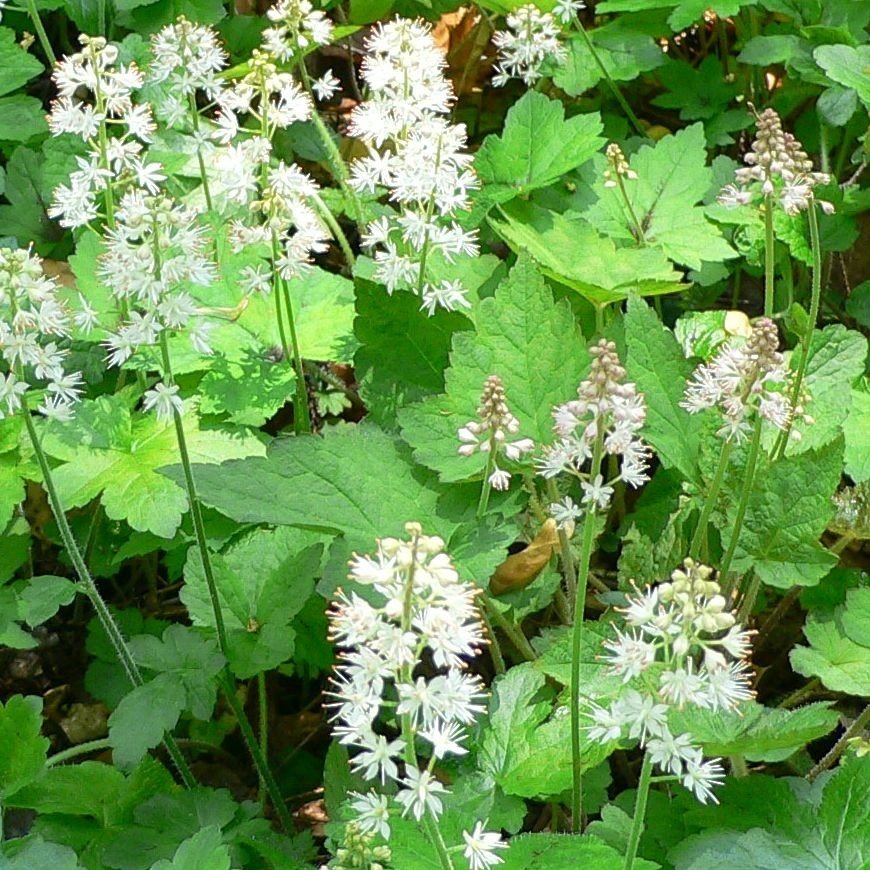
806	338
194	117
513	631
748	600
800	694
639	812
638	227
840	746
336	161
335	228
486	486
699	544
263	728
301	415
44	41
769	256
738	766
107	621
229	690
745	492
195	508
80	749
577	646
565	554
614	88
494	648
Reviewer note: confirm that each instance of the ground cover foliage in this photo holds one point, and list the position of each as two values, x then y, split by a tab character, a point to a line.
434	436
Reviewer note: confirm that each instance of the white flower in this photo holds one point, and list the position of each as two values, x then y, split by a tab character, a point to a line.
164	400
420	794
565	512
373	813
670	752
565	10
596	494
630	655
444	737
480	846
325	86
701	776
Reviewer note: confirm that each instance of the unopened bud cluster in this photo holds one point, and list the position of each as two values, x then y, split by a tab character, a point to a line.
607	412
744	378
489	433
775	165
358	852
683	646
401	687
617	166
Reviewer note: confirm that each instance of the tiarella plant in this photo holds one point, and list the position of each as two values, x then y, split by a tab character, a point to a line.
276	280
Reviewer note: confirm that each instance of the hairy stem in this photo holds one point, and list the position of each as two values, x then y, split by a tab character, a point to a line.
637	821
587	543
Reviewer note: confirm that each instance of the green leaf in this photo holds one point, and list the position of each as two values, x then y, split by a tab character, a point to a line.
191	658
525	748
757	732
16	66
836	361
699	93
33	852
772	824
43	596
780	535
526	339
549	851
143	717
247	392
323	312
838	654
263	581
657	365
109	452
537	145
24	217
24	748
672	178
569	250
836	105
326	483
847	66
22	118
624	52
204	849
403	352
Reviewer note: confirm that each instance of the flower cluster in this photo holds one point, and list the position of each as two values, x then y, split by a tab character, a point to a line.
532	38
490	431
272	98
95	94
425	619
683	646
775	165
618	167
357	849
32	316
606	417
743	379
154	250
298	27
418	156
187	58
288	221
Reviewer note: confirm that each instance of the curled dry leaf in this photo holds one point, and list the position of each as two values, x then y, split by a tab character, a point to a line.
519	569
